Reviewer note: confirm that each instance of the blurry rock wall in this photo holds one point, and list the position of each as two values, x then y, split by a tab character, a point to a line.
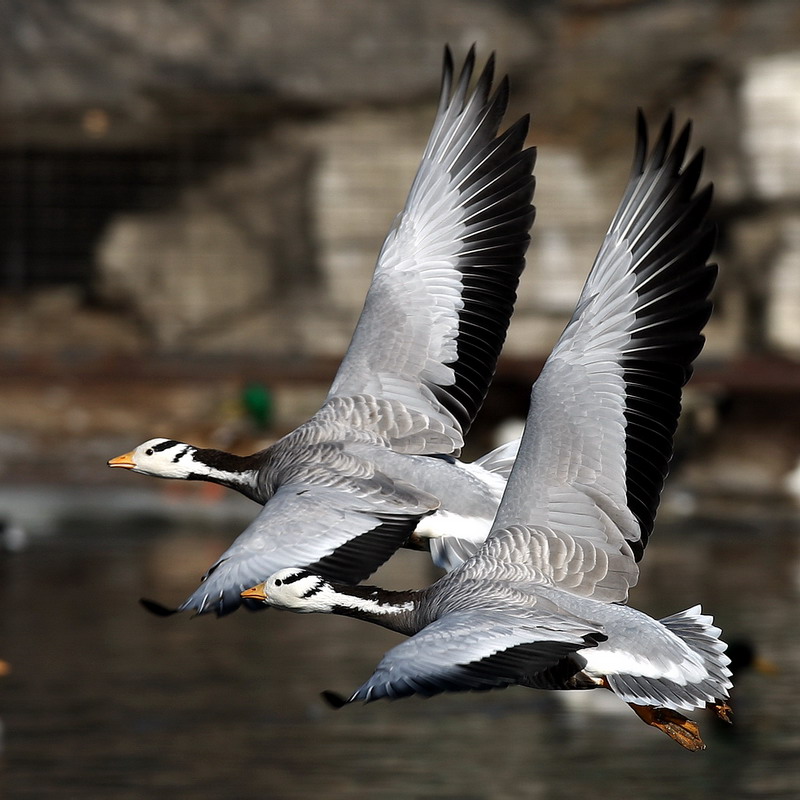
221	175
216	178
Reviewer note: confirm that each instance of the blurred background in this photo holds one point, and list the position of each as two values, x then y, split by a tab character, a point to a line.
193	198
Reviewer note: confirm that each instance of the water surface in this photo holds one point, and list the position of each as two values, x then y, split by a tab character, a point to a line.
107	701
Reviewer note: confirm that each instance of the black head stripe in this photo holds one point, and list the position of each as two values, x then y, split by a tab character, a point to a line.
182	453
164	445
298	576
313	590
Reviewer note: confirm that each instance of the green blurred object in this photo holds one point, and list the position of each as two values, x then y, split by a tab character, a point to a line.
258	404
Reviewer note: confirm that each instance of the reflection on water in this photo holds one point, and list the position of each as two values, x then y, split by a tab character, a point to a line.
106	701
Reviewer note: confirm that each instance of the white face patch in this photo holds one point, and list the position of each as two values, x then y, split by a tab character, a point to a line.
298	590
165	458
301	591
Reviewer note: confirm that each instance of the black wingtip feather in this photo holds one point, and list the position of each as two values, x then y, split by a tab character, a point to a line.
492	171
447	66
460	93
156	608
502	94
334	699
661	147
640	145
447	80
487	75
691	172
678	153
664	216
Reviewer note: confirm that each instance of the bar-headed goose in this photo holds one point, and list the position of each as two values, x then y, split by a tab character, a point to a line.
344	490
541	603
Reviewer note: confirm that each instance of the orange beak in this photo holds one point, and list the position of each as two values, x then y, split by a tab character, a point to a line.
256	593
5	667
126	461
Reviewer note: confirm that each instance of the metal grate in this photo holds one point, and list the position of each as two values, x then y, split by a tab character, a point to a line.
56	203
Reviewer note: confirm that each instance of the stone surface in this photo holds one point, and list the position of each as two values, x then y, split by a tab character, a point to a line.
263	148
783	299
771	136
55	322
228	248
301	52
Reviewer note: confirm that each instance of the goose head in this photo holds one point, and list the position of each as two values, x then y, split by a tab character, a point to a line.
161	458
295	589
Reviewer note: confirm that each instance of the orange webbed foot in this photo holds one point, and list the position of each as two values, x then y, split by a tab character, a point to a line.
684	731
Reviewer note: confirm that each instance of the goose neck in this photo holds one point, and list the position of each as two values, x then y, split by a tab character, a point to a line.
396	610
227	469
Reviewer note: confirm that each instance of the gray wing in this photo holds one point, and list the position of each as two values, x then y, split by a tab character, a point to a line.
444	286
481	649
598	437
501	460
343	532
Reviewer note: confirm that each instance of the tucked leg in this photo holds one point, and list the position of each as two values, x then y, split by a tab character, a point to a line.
684	731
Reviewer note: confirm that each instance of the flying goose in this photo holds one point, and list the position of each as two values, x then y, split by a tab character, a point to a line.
345	489
542	602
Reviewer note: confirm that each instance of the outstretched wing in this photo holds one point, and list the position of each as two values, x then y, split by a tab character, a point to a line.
481	649
344	532
501	460
444	286
598	438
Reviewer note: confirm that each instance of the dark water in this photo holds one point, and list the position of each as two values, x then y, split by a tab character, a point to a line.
107	701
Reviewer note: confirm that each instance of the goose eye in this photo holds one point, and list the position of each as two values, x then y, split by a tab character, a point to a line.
279	582
149	451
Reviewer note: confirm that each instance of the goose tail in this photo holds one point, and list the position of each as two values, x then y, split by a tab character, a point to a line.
699	678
